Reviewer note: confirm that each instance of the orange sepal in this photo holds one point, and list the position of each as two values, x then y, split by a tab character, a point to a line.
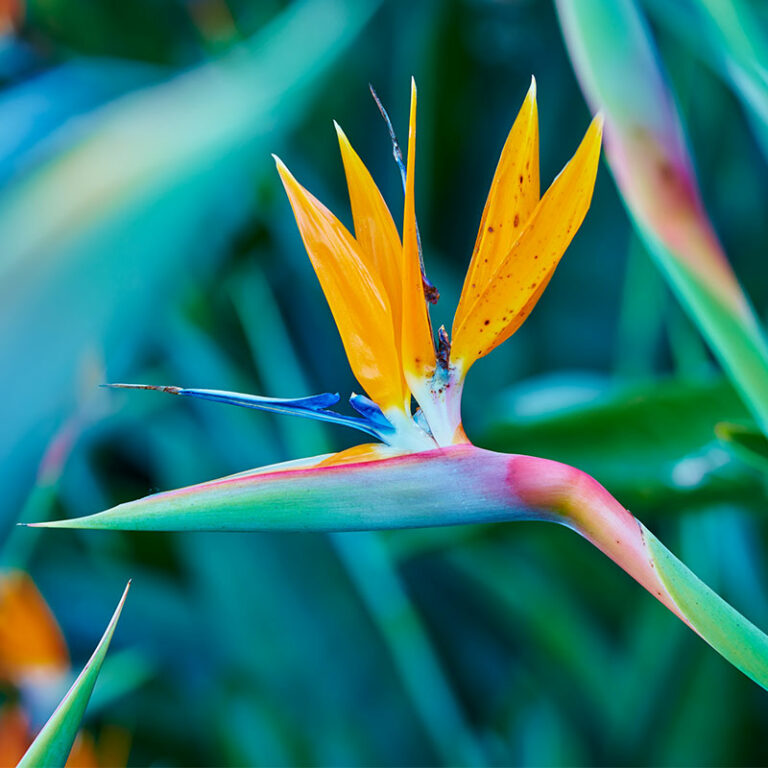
375	230
498	311
83	754
356	296
512	199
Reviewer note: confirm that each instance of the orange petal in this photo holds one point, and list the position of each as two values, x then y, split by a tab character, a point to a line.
375	230
418	349
512	199
356	296
11	13
31	642
499	310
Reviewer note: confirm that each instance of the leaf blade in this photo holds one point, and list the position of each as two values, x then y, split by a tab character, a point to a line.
724	628
53	744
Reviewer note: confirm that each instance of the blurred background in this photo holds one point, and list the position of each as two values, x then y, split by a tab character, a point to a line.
145	237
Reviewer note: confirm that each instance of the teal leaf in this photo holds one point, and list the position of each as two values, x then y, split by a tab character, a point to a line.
103	211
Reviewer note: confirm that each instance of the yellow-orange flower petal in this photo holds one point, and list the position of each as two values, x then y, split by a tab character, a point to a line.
418	348
375	230
512	199
356	296
31	642
498	310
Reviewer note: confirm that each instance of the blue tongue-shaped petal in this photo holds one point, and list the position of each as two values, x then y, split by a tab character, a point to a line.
370	411
373	420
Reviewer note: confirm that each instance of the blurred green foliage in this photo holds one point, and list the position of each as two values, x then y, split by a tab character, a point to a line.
145	229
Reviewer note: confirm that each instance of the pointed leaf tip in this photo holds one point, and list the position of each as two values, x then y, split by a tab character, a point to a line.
64	523
53	744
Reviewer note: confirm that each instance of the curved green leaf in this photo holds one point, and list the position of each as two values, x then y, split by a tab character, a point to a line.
52	746
618	66
630	445
745	442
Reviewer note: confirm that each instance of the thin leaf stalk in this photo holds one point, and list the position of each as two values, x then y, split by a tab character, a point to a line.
620	73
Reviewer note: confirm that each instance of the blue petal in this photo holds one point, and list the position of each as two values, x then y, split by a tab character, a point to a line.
370	411
313	407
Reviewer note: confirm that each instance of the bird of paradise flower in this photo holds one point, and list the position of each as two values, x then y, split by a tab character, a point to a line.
424	471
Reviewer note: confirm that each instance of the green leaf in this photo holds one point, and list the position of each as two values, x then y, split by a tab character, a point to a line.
402	628
108	208
638	441
52	746
745	442
726	630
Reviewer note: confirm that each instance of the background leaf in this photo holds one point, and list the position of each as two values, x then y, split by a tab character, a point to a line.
244	635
